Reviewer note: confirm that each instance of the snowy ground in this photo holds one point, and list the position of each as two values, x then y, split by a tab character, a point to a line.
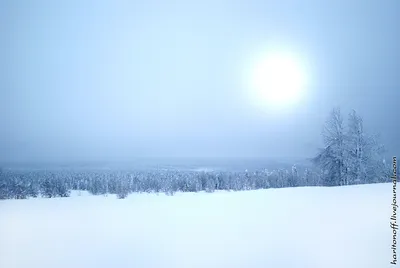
299	227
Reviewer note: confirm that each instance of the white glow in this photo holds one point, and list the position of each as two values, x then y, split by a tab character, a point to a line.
276	79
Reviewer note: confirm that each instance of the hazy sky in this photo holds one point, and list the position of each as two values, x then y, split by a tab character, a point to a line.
112	80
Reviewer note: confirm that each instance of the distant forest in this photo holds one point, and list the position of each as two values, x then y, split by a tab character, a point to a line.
349	156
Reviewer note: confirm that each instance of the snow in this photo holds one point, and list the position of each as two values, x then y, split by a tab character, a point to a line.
296	227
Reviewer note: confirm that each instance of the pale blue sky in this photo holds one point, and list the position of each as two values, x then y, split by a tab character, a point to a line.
111	80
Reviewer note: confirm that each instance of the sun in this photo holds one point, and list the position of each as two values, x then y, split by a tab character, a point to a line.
276	79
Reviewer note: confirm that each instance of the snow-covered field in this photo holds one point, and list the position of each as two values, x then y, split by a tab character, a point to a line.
298	227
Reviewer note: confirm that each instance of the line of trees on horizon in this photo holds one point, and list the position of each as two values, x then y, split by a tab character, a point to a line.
349	156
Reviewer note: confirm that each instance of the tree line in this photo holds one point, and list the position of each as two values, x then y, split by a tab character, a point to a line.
349	156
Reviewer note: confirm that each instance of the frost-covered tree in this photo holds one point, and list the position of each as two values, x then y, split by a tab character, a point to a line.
97	185
122	187
376	168
19	186
261	180
293	178
357	149
4	185
61	188
366	153
332	159
350	155
309	179
47	187
282	178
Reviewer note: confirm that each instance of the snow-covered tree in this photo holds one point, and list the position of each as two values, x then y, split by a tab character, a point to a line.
122	187
375	165
332	159
46	187
4	185
293	178
350	155
366	153
357	149
61	188
311	178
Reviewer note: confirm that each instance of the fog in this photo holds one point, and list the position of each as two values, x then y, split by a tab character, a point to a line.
116	80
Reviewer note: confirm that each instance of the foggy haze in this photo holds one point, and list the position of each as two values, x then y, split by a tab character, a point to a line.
115	80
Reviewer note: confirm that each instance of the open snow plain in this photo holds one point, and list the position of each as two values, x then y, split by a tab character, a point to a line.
312	227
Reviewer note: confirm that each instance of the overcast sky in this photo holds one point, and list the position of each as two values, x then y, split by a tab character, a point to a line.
112	80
